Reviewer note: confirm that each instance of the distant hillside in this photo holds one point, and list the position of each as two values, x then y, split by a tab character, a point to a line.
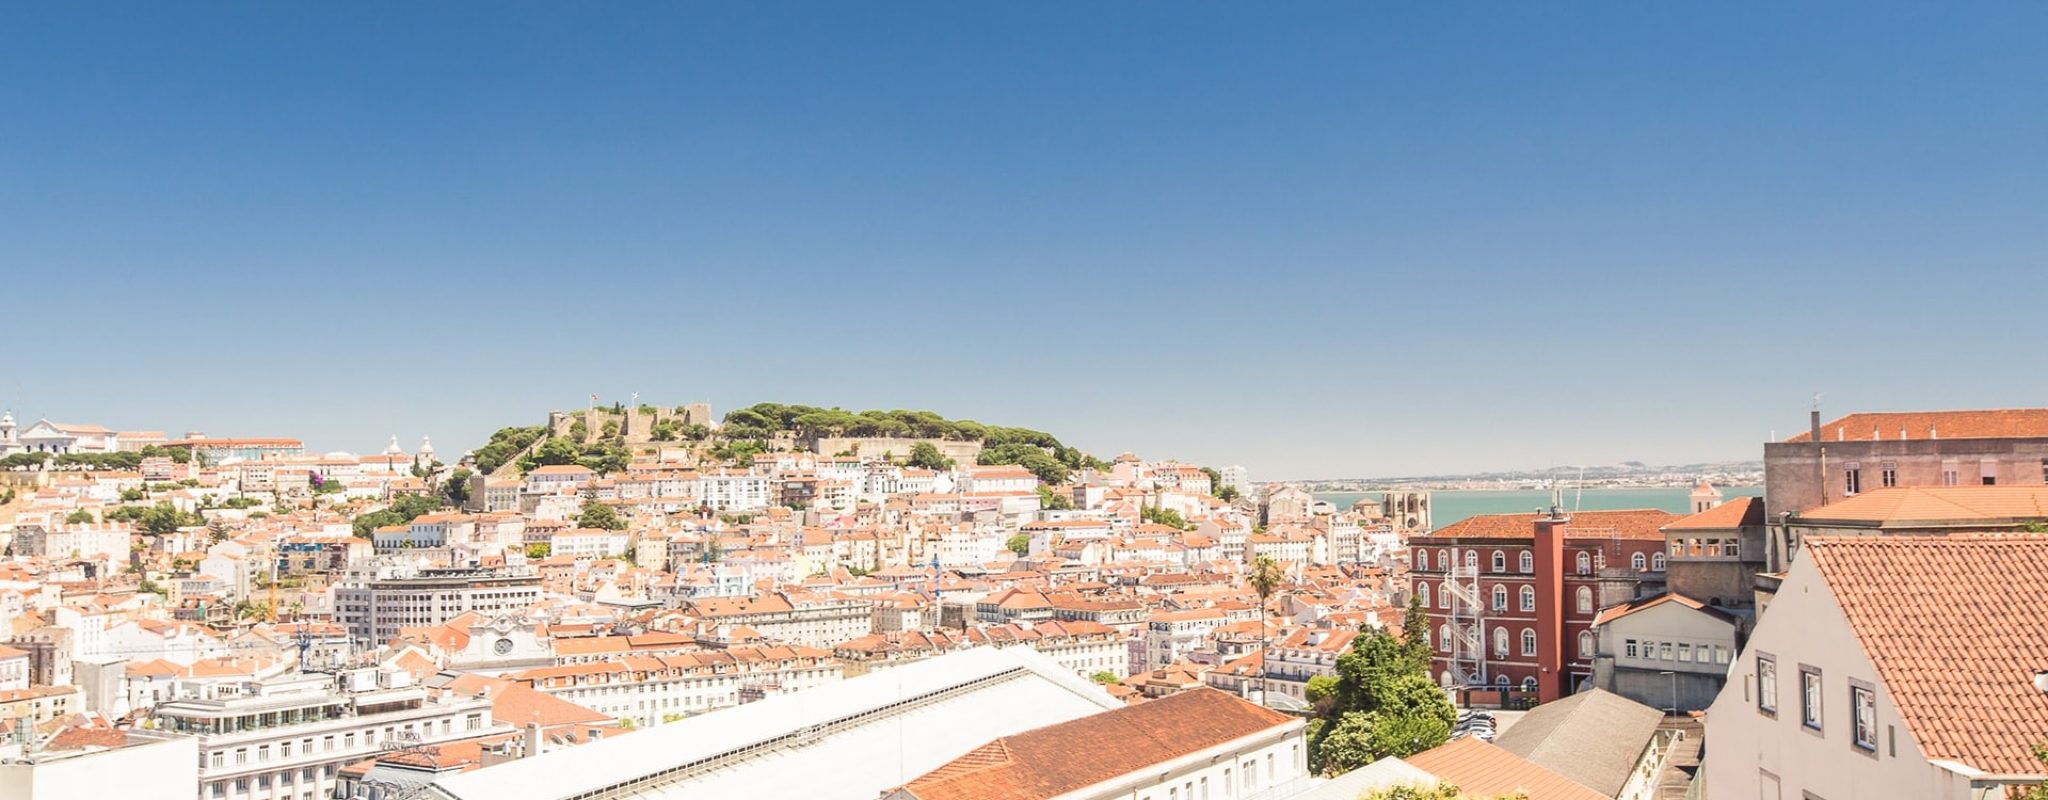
606	439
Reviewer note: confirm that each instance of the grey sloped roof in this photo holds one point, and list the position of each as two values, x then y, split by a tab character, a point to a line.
1594	738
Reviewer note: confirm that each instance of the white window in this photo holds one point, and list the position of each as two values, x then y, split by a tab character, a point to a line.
1629	648
1443	637
1528	642
1585	599
1500	597
1422	559
1472	560
1586	644
1529	684
1528	562
1585	563
1500	561
1637	562
1422	594
1863	703
1500	641
1528	598
1809	697
1767	684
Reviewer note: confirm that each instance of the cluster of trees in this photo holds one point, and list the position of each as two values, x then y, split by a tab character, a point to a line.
506	444
124	460
456	488
1164	516
925	455
159	519
1053	501
1381	703
669	430
599	515
401	511
606	456
761	420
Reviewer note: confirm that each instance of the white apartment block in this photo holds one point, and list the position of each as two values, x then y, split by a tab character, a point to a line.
285	738
374	607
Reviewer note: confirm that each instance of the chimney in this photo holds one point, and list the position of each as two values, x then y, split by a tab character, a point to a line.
1550	632
1815	419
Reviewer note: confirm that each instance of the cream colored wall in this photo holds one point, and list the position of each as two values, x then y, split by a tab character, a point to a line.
1805	625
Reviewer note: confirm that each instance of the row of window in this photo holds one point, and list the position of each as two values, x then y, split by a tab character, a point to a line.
1528	562
1812	690
263	782
1584	597
1677	651
1704	547
1444	639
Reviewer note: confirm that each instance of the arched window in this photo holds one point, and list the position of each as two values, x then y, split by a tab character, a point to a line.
1500	597
1443	560
1657	562
1443	638
1585	563
1500	641
1528	598
1528	641
1472	559
1501	681
1585	644
1500	561
1528	562
1443	598
1422	594
1636	562
1422	559
1445	679
1585	600
1529	684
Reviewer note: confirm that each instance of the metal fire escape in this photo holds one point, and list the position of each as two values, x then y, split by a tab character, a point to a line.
1468	615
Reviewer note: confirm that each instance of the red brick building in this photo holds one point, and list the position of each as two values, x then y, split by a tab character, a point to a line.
1511	598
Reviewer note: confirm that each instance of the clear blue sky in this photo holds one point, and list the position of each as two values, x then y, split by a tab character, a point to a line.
1316	240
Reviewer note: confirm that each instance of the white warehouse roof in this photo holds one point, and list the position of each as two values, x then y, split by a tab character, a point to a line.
854	739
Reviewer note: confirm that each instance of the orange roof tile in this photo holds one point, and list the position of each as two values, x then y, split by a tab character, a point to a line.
1640	523
1958	661
1740	512
1480	769
1057	759
1934	505
1917	425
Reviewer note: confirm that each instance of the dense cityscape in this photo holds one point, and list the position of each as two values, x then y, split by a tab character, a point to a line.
649	601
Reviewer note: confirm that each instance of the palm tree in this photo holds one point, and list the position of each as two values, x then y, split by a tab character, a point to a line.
1264	576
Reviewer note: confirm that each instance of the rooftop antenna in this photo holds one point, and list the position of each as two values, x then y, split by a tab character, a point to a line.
1579	494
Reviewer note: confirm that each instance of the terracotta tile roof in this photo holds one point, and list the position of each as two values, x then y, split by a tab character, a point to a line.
1479	769
1925	505
1639	523
1890	426
1057	759
1953	624
1612	613
1740	512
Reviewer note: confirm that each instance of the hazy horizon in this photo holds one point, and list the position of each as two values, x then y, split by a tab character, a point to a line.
1317	240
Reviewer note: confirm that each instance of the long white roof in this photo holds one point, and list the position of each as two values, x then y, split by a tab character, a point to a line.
853	739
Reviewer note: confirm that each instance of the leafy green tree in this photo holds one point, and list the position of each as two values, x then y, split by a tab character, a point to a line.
553	452
457	488
1164	516
1441	791
132	495
1053	501
538	550
79	517
1384	704
411	506
505	444
599	515
1019	544
2038	791
364	525
1264	577
1215	479
1320	687
924	455
1415	634
1227	493
1104	677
